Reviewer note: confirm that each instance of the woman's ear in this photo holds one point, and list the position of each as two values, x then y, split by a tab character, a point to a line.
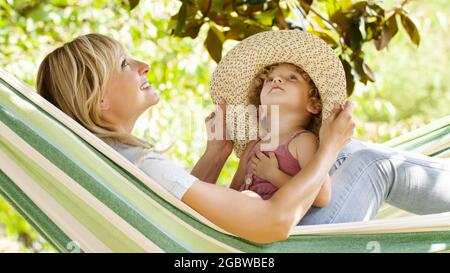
314	106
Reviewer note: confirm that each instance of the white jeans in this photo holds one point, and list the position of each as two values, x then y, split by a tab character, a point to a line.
364	175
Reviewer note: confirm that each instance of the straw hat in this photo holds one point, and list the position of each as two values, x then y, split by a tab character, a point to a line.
232	78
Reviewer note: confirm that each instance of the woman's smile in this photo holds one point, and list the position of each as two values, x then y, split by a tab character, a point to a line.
149	89
145	85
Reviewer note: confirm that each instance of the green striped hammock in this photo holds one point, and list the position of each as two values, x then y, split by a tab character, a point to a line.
81	195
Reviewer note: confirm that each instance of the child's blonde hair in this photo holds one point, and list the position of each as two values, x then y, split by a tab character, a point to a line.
257	83
73	78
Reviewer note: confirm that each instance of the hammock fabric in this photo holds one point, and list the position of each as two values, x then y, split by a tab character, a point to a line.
82	195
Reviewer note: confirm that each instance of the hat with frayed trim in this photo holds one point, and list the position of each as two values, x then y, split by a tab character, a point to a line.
231	80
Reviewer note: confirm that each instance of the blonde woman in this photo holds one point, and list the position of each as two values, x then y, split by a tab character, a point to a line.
94	81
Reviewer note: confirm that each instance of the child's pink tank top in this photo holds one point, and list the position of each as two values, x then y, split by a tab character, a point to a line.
286	162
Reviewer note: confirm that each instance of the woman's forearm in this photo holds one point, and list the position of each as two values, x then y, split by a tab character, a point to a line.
258	220
304	186
280	178
250	218
209	166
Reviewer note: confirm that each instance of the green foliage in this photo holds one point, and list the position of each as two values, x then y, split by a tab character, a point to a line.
411	88
412	85
13	228
344	25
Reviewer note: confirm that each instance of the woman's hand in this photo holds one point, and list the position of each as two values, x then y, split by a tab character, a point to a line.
217	142
218	148
338	129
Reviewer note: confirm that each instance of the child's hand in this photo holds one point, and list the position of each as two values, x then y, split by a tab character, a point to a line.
264	166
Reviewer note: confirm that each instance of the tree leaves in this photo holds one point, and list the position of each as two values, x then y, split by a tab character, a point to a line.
389	30
213	44
133	3
306	5
181	19
326	37
410	28
361	70
350	24
346	25
348	76
368	72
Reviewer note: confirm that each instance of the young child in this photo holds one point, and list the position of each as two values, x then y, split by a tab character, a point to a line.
261	173
300	80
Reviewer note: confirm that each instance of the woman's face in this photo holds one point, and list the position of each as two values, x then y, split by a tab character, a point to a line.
284	86
128	93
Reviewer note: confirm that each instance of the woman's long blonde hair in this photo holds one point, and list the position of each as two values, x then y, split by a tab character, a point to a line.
73	78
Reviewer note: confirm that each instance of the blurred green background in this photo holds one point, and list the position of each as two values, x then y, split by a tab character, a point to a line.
412	84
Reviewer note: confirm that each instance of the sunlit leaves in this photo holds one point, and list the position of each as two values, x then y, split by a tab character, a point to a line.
345	25
410	28
181	18
390	28
133	3
214	43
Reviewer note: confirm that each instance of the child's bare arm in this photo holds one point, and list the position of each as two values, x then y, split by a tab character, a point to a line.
306	146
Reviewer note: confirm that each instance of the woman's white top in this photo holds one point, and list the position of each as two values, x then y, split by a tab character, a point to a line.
171	176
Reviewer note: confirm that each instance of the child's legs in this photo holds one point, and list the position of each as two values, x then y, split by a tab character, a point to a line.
371	175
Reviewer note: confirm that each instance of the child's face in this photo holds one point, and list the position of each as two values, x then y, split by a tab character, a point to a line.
285	87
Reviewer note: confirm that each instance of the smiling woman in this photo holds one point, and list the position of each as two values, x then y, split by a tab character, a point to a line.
104	66
128	92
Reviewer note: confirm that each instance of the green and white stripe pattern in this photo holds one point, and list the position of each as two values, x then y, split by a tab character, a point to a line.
81	195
